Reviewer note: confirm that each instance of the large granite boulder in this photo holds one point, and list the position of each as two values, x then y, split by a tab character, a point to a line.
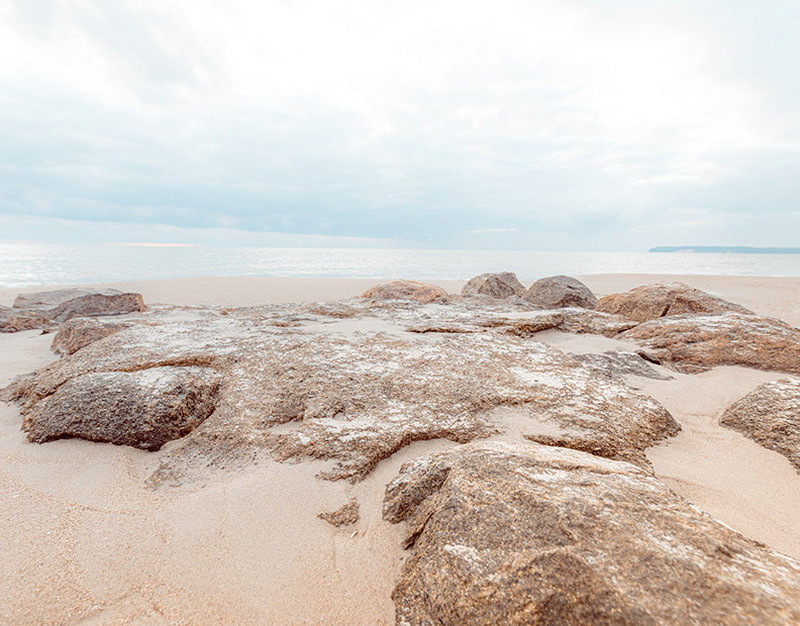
649	302
15	320
504	534
770	415
79	332
696	343
64	304
407	290
555	292
495	285
144	409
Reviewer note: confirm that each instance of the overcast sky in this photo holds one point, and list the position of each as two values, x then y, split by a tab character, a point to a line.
573	125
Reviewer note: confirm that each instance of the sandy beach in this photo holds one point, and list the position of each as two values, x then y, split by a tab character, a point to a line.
86	542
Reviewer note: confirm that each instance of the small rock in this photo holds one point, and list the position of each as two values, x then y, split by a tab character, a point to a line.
557	292
13	320
64	304
343	516
770	415
650	302
407	290
620	364
499	285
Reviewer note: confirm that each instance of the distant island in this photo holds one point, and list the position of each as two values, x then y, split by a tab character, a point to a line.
731	249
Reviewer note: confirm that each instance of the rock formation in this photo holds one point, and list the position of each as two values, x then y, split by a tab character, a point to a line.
495	285
770	415
15	320
696	343
64	304
650	302
144	408
79	332
620	364
556	292
407	290
504	534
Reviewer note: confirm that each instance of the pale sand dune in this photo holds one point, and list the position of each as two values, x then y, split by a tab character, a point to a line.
83	540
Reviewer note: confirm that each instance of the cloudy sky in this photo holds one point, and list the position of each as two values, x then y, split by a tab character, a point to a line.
573	125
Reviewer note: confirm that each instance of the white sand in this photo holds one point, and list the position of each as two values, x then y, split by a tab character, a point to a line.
83	540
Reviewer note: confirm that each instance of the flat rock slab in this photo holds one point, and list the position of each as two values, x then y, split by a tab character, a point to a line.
64	304
555	292
504	534
696	343
770	415
650	302
144	409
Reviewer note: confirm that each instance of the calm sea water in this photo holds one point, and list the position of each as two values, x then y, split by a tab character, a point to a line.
57	264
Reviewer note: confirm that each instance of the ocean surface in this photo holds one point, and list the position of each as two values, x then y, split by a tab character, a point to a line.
25	264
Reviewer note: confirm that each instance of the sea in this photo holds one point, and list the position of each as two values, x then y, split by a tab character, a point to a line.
28	264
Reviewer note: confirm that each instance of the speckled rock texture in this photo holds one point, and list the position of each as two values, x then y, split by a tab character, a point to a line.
555	292
79	332
650	302
15	320
505	534
144	409
495	285
696	343
347	383
621	364
770	415
64	304
345	515
407	290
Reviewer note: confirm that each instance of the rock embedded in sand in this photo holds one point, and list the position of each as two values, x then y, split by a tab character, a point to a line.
696	343
620	364
556	292
505	534
14	320
144	409
770	415
64	304
495	285
79	332
346	515
408	290
649	302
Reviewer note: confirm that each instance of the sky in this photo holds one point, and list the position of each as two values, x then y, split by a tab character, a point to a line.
564	125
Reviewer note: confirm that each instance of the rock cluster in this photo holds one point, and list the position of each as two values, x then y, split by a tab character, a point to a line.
504	534
650	302
770	415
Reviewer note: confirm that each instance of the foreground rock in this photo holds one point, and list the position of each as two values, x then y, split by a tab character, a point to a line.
350	385
506	534
650	302
64	304
770	415
407	290
556	292
144	409
500	285
696	343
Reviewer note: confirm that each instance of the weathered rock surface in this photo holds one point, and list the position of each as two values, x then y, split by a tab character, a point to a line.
770	415
555	292
13	320
79	332
407	290
144	408
505	534
495	285
696	343
353	390
621	364
345	515
64	304
649	302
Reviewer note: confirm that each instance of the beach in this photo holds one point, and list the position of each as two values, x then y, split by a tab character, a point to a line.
86	541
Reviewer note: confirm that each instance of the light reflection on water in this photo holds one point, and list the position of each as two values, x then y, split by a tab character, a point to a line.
54	264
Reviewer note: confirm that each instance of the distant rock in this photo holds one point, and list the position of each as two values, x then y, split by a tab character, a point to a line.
15	320
556	292
770	415
345	515
499	285
505	534
696	343
79	332
408	290
649	302
144	409
64	304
